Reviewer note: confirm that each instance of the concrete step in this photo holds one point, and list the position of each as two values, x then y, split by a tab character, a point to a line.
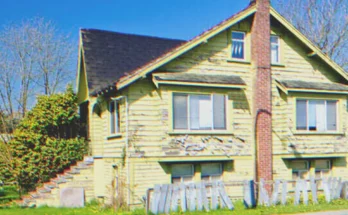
74	171
44	190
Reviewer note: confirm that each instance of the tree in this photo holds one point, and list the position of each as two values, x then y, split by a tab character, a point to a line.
35	58
324	22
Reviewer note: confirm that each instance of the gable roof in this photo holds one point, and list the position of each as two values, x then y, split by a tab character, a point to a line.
109	56
124	80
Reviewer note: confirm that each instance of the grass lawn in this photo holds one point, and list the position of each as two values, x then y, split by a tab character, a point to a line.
239	209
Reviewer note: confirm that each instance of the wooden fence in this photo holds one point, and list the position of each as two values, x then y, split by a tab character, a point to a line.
200	196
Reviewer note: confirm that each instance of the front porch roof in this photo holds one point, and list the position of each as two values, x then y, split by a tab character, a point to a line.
311	87
221	81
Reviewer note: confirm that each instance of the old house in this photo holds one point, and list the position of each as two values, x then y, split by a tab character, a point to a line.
250	98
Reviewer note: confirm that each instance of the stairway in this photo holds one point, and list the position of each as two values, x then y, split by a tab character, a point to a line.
80	175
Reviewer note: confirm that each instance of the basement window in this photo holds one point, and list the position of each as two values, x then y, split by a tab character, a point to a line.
114	117
238	45
182	173
199	111
316	115
300	169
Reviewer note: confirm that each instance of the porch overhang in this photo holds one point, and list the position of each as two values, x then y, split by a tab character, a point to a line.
200	80
311	87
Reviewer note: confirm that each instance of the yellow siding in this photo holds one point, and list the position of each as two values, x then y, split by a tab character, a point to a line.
151	135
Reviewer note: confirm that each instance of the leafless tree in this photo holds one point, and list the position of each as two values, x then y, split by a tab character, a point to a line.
324	22
35	58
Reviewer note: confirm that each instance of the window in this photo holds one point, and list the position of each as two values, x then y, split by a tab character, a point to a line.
238	44
211	171
316	115
322	170
300	169
275	49
199	112
114	117
182	173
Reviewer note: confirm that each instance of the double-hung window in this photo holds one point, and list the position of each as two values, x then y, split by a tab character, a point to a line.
316	115
199	112
182	173
275	56
238	45
114	117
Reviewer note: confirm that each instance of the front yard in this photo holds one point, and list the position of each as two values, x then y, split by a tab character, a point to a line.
239	209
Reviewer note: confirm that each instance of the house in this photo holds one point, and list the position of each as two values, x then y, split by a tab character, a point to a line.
250	98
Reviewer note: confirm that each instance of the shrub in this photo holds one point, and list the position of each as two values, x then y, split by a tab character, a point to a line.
45	141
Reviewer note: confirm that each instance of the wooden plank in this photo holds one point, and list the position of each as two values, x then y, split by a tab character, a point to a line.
155	199
204	196
263	195
297	192
275	192
192	197
199	196
339	188
305	192
249	194
183	197
175	198
314	190
284	191
214	196
163	198
168	199
326	188
224	197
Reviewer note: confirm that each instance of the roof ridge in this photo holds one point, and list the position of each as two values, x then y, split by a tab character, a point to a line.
129	34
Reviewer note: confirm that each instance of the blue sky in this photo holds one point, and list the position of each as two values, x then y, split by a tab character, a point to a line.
181	19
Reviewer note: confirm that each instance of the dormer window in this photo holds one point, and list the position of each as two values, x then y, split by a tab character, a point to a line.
275	58
238	45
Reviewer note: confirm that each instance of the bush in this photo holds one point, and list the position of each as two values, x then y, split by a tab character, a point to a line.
45	141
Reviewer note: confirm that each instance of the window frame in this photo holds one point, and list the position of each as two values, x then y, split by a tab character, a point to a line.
238	40
338	125
278	46
116	117
188	129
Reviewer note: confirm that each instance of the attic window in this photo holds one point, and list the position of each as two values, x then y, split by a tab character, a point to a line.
275	49
238	45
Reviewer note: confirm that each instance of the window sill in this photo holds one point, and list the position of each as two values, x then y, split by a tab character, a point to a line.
114	136
277	65
318	133
198	132
233	60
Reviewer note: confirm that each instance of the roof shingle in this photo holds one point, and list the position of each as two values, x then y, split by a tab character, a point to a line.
110	55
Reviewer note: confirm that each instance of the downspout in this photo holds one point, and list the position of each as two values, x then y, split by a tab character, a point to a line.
127	146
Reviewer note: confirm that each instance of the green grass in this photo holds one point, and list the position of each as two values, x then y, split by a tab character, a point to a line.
239	209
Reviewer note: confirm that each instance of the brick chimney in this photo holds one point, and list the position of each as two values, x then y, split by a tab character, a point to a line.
261	61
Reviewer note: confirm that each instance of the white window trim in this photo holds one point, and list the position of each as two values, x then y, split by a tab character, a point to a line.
278	48
188	113
238	40
116	117
307	115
